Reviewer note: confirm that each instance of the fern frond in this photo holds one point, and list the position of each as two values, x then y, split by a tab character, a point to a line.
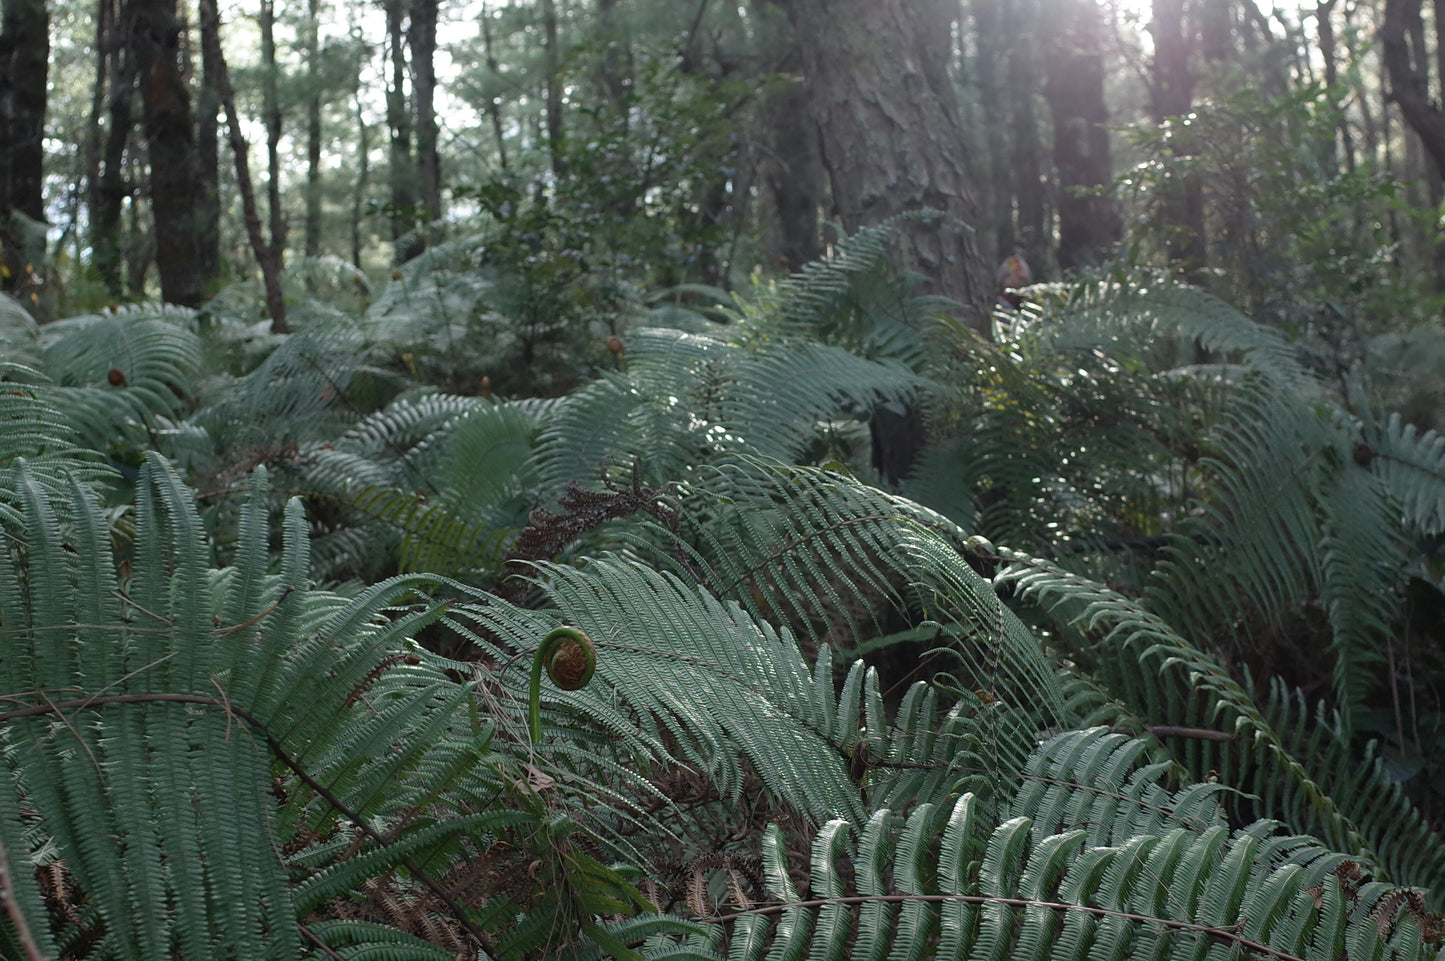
1162	679
1022	887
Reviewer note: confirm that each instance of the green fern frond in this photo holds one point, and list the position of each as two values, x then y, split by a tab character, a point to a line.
1412	467
1162	680
949	882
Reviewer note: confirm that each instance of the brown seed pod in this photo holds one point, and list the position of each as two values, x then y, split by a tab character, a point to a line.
116	376
614	344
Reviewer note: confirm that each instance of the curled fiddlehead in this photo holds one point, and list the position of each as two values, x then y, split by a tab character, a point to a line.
569	658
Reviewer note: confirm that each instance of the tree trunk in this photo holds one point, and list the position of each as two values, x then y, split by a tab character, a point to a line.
171	146
112	185
1089	224
363	178
1344	141
266	256
877	78
423	39
1409	87
792	178
398	119
208	159
1215	28
1172	95
313	130
271	116
24	65
494	105
552	65
995	197
1031	231
615	71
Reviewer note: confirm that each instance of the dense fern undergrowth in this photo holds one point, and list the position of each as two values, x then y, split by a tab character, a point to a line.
316	646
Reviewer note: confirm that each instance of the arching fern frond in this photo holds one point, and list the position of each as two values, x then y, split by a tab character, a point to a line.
951	882
1161	680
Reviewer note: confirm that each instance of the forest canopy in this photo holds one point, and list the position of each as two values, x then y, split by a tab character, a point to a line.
672	479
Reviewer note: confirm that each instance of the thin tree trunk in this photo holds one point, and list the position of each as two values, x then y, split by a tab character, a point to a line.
1324	24
398	118
266	257
271	114
112	185
423	40
104	49
552	64
208	160
312	246
171	147
494	105
363	178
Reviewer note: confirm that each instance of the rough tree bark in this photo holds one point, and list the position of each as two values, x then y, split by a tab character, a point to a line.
887	117
24	62
154	36
1089	224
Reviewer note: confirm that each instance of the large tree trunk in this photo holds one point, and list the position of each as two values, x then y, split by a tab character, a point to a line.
887	116
24	62
1089	224
171	146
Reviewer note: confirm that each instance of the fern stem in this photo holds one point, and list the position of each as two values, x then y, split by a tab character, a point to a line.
570	659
